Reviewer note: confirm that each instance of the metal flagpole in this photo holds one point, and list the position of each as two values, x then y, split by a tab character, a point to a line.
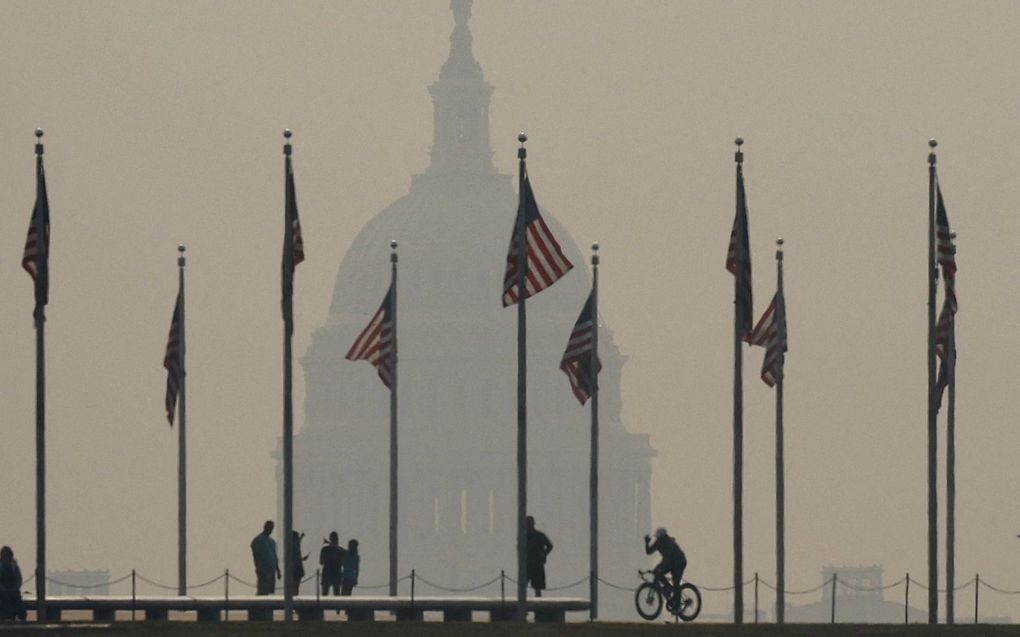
42	257
288	407
393	422
593	479
522	391
933	576
780	472
182	485
738	433
950	353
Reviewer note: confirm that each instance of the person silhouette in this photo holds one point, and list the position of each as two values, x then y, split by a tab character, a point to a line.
11	606
538	547
263	552
331	558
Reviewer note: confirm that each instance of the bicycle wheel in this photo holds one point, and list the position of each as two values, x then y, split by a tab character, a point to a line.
648	601
689	601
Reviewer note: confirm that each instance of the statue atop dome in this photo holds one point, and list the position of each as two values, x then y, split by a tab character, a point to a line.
461	100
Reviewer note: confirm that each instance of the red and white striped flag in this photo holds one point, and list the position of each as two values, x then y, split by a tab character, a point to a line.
35	259
576	362
173	361
375	343
770	333
545	260
293	245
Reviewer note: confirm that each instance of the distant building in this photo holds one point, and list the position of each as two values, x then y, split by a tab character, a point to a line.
78	582
457	384
859	599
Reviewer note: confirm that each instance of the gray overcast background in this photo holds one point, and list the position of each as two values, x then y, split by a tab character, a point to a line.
163	125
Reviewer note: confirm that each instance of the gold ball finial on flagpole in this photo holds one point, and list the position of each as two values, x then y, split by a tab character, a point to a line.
393	248
933	142
39	133
522	137
393	244
287	133
180	258
739	141
779	249
739	155
595	253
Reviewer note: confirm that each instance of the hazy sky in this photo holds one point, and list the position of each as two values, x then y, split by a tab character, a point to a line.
163	125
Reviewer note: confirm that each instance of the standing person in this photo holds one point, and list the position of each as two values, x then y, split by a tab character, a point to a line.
263	551
673	559
538	547
11	606
352	563
298	573
331	558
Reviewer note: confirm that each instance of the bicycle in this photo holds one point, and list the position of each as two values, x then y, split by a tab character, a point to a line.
683	601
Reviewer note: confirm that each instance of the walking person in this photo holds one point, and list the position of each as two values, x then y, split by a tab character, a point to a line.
352	564
538	547
11	606
263	552
331	558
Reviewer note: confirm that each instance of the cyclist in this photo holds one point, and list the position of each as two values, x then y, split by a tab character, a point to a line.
673	559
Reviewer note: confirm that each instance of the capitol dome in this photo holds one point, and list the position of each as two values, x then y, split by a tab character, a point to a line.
457	380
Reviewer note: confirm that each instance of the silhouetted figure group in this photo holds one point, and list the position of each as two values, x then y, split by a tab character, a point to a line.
340	566
11	606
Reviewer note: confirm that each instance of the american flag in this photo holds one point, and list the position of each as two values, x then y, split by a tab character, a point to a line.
770	333
294	252
944	329
576	362
738	260
545	260
36	257
173	361
376	343
944	240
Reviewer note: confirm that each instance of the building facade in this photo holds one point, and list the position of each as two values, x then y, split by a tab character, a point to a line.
457	384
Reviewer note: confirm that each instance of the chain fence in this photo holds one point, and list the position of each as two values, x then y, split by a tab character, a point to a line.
831	586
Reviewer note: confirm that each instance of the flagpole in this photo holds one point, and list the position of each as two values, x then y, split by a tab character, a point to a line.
738	438
288	408
951	467
522	391
42	252
933	577
593	479
182	485
393	424
780	470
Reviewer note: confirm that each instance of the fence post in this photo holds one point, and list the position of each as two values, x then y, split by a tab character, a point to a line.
226	595
412	588
906	602
977	587
132	594
756	597
502	588
832	617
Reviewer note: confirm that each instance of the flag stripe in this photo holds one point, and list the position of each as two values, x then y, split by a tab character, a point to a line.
375	343
545	263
